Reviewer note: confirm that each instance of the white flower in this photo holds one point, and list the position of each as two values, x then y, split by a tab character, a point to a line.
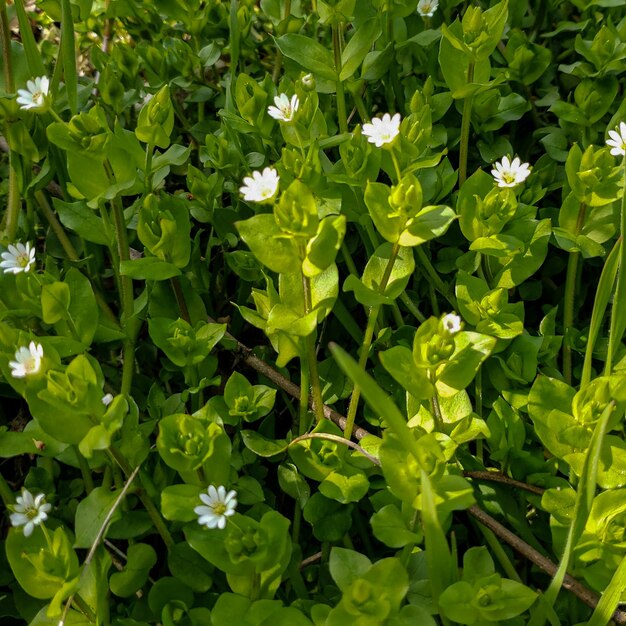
451	323
510	173
107	399
427	8
617	141
285	109
27	360
381	132
261	186
219	506
18	259
29	512
35	96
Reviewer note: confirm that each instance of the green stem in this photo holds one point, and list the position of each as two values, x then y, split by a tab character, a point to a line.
410	305
5	39
278	59
568	312
465	128
84	608
6	493
126	290
311	355
478	383
341	97
180	298
367	342
13	202
148	169
618	320
305	384
84	470
435	278
396	165
150	507
68	248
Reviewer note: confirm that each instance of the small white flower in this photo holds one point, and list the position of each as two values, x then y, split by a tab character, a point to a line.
29	512
617	141
261	186
285	109
27	360
381	132
35	96
19	258
510	173
451	323
427	8
107	399
219	506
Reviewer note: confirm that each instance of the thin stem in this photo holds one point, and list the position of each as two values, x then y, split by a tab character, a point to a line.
14	204
305	384
478	386
435	278
617	321
568	311
341	97
148	169
180	298
410	305
69	249
367	342
150	507
5	38
311	356
98	539
84	470
396	165
278	59
126	290
465	128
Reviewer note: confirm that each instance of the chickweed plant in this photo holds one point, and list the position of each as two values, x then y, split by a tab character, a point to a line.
312	312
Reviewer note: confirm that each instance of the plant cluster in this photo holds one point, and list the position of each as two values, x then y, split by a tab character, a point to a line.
312	312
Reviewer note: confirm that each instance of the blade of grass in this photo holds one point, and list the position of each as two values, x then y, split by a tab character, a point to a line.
584	499
33	56
601	302
377	398
611	596
438	554
68	54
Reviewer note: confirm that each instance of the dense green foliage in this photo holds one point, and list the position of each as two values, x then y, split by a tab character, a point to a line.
311	312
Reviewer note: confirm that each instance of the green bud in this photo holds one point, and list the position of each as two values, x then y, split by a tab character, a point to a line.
296	211
405	198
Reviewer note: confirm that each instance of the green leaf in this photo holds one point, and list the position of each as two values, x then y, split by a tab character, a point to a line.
309	54
390	527
55	301
293	483
430	222
346	484
178	502
262	446
77	216
358	46
140	559
398	361
269	244
187	566
90	515
346	566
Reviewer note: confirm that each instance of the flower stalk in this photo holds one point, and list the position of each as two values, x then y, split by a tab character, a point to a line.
465	127
341	96
367	341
